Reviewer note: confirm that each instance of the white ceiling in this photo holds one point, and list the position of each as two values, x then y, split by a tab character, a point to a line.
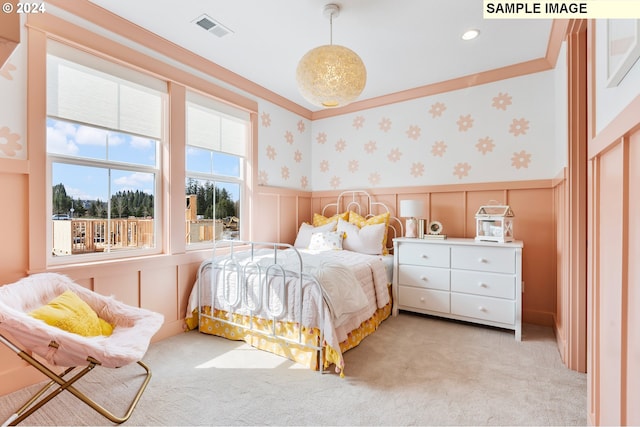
404	43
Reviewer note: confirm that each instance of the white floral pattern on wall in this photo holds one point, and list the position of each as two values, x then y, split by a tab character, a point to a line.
13	115
284	148
502	131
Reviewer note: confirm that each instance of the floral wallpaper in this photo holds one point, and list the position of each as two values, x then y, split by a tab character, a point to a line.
284	148
13	85
502	131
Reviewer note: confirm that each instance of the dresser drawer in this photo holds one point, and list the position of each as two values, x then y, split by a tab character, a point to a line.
484	308
423	254
484	284
424	277
484	258
423	299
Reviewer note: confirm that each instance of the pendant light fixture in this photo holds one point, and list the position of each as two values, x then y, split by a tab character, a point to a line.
331	75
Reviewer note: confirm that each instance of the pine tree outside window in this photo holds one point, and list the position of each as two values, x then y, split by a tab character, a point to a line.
217	137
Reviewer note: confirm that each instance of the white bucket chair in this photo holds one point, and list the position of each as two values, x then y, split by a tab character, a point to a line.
133	328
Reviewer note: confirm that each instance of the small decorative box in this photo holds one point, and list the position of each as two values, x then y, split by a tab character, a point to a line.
494	223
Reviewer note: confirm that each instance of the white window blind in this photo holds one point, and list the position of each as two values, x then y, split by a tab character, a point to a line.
116	98
216	126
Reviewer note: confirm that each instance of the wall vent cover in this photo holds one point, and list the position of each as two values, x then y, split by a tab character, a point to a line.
211	25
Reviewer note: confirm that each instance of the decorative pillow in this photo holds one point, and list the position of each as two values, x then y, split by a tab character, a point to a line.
67	311
306	230
326	241
365	240
319	220
360	221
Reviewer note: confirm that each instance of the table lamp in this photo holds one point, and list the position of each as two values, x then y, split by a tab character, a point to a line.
411	209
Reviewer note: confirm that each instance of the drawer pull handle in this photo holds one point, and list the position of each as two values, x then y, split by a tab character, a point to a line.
482	260
425	256
421	299
424	278
482	285
481	308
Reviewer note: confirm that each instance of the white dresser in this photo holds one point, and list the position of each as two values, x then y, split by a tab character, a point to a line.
461	279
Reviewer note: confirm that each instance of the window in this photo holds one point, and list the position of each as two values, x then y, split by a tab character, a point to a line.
217	137
104	132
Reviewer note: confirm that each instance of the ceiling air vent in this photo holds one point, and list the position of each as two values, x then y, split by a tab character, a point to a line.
212	26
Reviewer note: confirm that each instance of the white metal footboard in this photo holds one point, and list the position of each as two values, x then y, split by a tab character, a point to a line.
251	280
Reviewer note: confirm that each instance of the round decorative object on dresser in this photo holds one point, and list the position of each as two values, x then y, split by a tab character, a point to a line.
435	227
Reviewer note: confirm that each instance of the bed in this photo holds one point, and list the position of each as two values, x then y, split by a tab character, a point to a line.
311	301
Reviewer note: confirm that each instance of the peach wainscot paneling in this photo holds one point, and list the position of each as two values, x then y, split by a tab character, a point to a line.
277	214
561	262
124	286
534	226
187	274
15	215
449	209
14	373
288	218
264	224
633	293
455	207
614	277
608	290
159	291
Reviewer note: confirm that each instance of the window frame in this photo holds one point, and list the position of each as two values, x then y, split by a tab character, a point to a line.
179	76
242	179
105	164
157	169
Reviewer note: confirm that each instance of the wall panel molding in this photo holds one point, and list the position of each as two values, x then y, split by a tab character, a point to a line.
574	289
534	204
613	277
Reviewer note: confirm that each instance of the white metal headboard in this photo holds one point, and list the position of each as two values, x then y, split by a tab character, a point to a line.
355	199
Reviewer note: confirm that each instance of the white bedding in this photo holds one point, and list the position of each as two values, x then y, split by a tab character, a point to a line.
388	263
345	306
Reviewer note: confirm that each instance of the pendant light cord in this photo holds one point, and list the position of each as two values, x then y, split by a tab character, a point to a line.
331	28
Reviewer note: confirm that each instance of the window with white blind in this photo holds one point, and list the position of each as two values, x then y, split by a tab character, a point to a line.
217	141
105	124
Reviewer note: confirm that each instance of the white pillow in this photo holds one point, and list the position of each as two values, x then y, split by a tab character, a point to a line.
326	241
306	230
365	240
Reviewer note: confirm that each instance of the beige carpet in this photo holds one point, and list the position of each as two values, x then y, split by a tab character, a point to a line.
414	370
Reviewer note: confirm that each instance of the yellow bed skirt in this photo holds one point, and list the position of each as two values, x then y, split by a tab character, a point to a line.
303	355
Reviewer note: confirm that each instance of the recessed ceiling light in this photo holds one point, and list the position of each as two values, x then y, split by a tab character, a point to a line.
470	34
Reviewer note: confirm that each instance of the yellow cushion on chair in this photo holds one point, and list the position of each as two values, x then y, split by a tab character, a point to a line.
67	311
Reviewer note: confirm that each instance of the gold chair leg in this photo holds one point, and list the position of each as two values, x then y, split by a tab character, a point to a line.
107	414
31	406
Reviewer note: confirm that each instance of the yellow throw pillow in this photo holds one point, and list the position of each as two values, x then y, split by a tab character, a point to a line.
360	221
67	311
319	220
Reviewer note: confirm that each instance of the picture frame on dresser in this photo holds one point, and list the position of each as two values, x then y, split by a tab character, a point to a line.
460	278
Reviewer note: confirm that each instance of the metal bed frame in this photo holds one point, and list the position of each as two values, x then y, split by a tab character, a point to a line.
240	298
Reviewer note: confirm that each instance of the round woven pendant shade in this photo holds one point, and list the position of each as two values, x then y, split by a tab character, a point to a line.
331	76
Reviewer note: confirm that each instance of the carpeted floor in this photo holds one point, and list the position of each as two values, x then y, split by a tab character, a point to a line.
414	370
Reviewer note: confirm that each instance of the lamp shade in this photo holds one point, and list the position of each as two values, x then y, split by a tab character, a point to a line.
411	208
331	76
